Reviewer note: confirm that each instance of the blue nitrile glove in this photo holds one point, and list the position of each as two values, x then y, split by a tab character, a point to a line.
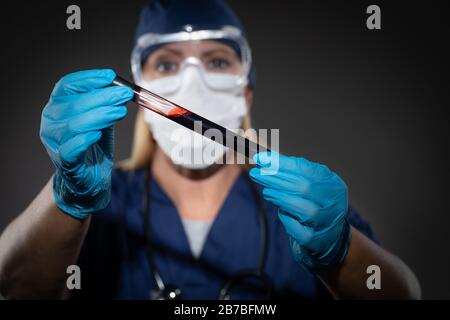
77	132
312	202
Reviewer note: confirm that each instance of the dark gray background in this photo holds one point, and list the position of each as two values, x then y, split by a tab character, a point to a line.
370	104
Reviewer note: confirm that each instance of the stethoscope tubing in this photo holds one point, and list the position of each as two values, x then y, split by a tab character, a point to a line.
258	272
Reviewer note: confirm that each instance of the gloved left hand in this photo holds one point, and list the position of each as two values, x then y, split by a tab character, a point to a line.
77	132
312	202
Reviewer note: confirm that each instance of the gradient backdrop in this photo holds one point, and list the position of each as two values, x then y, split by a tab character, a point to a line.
370	104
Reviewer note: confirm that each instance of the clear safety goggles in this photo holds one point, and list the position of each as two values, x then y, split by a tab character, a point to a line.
216	78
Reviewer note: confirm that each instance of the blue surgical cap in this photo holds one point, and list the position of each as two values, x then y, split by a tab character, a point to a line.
170	16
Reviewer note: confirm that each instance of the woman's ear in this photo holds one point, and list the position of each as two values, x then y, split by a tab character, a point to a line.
248	97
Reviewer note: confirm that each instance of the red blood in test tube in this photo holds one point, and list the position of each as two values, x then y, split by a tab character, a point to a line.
178	111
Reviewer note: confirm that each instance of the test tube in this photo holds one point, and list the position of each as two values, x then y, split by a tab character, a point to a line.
188	119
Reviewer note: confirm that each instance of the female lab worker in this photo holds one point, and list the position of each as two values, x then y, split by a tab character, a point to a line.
154	227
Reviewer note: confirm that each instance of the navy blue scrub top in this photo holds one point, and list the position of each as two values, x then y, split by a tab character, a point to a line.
113	257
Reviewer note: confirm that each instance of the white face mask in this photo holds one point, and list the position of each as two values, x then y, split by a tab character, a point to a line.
225	107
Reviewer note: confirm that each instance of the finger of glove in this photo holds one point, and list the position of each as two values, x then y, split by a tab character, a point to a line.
54	133
308	212
321	191
295	229
93	120
305	210
282	180
83	81
276	162
74	148
64	107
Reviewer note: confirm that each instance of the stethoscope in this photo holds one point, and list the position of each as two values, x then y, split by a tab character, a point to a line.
165	291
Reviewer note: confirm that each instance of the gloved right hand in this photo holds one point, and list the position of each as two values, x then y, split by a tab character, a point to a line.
313	205
77	132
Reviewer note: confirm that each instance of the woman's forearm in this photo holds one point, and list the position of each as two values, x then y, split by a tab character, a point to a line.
349	280
36	249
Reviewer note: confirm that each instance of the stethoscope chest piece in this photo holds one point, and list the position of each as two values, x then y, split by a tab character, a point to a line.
169	292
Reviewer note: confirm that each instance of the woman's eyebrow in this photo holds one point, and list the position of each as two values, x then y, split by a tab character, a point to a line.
173	51
212	51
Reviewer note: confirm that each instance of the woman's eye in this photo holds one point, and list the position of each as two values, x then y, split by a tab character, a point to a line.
166	67
218	64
